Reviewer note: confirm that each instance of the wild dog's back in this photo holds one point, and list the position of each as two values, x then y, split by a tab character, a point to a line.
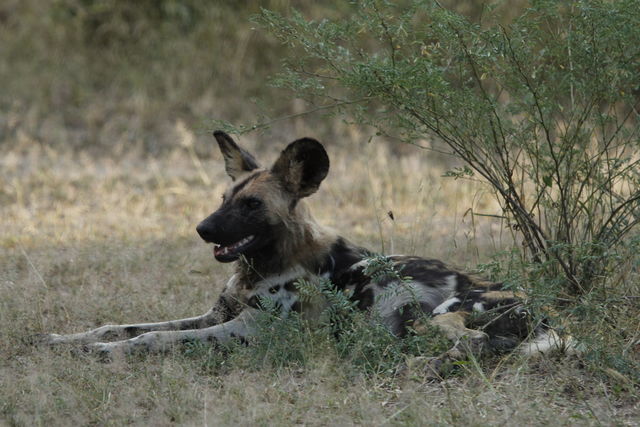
401	289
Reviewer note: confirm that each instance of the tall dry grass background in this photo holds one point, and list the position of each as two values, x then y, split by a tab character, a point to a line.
106	166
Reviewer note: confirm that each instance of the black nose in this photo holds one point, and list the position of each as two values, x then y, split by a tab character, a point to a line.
205	231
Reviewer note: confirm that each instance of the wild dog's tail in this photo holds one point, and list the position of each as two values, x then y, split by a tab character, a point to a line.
548	340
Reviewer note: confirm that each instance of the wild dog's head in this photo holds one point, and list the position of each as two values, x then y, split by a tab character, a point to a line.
258	207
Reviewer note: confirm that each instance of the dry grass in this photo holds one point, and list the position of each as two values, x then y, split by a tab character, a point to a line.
90	240
100	193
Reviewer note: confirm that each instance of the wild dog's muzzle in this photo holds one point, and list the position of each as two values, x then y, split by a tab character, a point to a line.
206	231
230	240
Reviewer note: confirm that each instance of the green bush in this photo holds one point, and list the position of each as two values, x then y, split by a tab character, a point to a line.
543	109
341	332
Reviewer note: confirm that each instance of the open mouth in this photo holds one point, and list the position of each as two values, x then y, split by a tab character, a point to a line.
233	251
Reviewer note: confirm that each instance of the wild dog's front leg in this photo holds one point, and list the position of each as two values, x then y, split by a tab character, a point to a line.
229	304
111	332
240	327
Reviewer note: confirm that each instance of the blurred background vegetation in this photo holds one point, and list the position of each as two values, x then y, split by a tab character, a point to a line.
117	75
107	164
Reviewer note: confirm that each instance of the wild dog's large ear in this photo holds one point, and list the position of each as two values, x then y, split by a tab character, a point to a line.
236	159
302	166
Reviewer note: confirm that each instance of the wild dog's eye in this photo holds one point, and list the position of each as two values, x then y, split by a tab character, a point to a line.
253	203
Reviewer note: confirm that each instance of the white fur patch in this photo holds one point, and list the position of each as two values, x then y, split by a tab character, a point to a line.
452	281
280	279
232	284
360	264
444	307
266	288
547	342
478	307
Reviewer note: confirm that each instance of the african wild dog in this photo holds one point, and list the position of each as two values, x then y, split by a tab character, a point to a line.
265	227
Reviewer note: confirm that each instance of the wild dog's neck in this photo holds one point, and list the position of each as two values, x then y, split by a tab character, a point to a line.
299	240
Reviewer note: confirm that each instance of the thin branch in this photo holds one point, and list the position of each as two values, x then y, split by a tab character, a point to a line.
387	35
268	123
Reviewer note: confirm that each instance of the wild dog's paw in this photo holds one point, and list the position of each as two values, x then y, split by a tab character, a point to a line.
102	351
473	342
42	339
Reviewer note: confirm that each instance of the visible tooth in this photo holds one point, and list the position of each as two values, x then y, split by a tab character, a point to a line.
225	250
